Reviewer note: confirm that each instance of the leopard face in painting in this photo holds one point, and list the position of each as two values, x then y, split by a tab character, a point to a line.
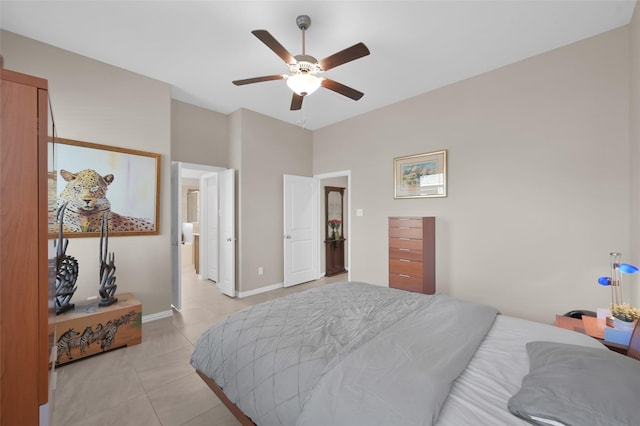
86	191
86	194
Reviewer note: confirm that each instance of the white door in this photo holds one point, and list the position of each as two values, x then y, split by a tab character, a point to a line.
227	228
300	229
176	264
209	245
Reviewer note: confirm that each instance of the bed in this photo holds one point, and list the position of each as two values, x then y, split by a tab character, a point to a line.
358	354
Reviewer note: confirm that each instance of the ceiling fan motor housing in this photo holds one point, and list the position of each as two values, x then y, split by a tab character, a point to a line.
303	22
305	64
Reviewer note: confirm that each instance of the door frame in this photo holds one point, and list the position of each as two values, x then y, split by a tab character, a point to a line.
320	177
176	224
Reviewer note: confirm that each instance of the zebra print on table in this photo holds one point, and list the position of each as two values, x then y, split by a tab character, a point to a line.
89	329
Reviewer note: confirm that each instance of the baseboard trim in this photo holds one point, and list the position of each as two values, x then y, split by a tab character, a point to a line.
253	292
157	316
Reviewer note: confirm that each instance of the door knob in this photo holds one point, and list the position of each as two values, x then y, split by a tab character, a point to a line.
288	237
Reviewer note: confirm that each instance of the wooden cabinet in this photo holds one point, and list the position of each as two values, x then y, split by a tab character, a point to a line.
88	329
334	264
412	254
24	292
334	230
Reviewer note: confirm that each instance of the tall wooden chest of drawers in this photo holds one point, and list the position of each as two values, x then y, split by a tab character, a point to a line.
412	254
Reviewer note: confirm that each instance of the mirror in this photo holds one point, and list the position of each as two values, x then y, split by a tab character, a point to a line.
333	205
193	207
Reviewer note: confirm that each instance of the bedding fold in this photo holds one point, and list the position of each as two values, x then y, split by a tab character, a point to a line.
404	374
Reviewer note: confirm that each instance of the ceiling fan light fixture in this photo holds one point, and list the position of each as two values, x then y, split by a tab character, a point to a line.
303	76
304	84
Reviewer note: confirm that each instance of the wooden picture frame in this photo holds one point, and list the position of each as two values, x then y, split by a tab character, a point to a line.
99	179
420	175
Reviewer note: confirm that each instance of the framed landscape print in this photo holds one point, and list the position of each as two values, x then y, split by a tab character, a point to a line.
420	175
96	181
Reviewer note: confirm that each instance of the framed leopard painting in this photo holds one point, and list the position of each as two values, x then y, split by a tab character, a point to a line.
99	180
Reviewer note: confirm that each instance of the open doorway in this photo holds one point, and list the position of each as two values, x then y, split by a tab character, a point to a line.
186	206
340	179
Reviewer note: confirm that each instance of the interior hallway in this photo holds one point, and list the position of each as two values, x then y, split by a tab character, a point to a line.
153	383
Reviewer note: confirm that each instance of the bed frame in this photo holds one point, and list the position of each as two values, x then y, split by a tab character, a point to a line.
237	412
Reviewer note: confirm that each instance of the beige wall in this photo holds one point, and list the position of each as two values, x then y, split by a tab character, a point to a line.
98	103
198	135
268	149
634	138
539	178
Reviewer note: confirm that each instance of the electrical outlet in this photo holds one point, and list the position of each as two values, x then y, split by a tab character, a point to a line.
260	271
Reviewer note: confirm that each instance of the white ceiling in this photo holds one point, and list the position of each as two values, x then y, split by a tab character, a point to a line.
199	47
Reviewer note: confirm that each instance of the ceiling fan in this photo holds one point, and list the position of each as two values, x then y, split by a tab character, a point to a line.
304	69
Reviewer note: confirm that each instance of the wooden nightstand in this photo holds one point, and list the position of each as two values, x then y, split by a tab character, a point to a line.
593	327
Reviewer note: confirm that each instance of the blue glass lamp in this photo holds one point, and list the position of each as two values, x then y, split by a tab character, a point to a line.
615	280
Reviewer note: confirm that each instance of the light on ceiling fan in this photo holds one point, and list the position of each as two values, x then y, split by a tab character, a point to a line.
303	84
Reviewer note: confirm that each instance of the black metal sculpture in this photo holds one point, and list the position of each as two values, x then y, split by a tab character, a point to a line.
66	269
107	269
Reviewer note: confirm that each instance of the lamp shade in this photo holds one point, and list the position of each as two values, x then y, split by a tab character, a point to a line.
604	281
615	280
625	268
303	84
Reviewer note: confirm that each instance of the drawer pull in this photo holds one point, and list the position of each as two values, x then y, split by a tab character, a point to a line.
404	227
404	249
404	239
405	276
405	260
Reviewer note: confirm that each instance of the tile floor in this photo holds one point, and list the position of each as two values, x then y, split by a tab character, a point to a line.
153	383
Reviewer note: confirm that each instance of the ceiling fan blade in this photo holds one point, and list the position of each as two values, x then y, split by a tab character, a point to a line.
296	102
342	57
258	79
273	44
342	89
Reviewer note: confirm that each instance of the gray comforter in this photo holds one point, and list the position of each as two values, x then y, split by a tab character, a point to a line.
343	354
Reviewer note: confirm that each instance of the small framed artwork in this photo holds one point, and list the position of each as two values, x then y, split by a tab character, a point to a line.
420	175
96	181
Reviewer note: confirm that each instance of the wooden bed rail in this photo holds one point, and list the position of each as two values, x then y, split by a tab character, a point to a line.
238	414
